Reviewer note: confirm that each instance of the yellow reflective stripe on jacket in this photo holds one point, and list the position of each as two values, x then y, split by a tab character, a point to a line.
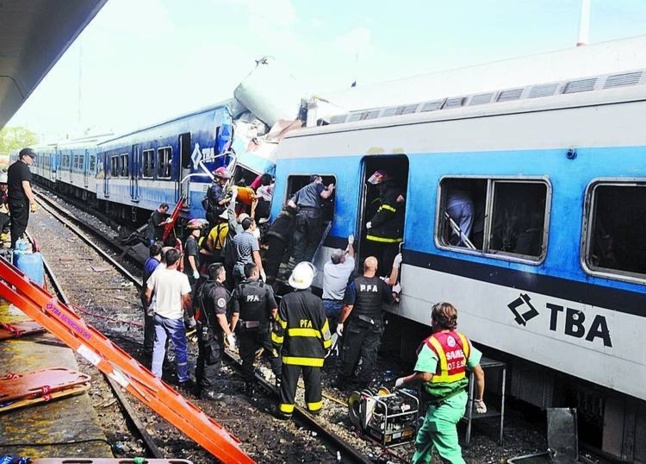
466	348
374	238
327	343
444	376
296	361
277	338
387	208
298	332
282	323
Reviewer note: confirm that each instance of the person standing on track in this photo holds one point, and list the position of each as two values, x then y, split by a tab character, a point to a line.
172	294
442	362
21	197
253	309
306	339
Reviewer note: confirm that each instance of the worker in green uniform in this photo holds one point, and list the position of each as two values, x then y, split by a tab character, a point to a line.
442	362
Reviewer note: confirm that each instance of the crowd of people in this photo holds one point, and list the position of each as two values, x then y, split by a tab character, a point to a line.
228	287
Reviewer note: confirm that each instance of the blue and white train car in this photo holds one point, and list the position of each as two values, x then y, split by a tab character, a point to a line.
556	281
162	163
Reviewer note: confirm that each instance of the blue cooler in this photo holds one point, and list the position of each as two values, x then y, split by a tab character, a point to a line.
32	265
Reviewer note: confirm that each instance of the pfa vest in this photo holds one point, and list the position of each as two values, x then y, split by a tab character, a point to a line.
368	297
252	297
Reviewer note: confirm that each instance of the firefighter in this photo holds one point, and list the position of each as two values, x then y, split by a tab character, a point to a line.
216	200
362	315
384	231
442	362
253	309
306	339
212	299
279	239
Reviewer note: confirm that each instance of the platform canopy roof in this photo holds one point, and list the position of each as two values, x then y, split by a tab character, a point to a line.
34	34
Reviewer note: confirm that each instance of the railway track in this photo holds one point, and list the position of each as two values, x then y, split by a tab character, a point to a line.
127	286
305	439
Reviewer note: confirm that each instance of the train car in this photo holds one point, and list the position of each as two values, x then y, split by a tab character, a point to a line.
160	164
555	282
76	175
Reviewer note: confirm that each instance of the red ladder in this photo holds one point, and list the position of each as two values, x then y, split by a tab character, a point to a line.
72	330
168	227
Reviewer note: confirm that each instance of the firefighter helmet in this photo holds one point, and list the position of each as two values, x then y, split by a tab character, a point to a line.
222	173
302	275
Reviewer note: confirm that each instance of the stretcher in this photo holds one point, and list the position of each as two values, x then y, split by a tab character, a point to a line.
20	329
41	383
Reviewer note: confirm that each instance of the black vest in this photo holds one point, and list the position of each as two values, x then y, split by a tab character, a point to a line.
368	297
252	297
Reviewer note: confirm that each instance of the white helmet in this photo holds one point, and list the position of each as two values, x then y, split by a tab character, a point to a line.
302	275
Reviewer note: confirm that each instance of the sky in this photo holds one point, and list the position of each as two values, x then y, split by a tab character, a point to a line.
143	61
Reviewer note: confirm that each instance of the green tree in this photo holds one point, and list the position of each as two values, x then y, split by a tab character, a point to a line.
14	138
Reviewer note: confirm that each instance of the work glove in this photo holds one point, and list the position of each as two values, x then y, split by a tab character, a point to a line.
231	341
481	407
263	275
339	329
196	275
33	207
399	383
398	260
369	225
350	239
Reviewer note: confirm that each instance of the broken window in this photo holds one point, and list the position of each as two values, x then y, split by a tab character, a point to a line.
495	216
616	227
148	165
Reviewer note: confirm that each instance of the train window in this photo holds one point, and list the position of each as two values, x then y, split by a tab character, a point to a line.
92	163
148	157
615	236
495	216
124	165
78	162
65	161
164	158
114	166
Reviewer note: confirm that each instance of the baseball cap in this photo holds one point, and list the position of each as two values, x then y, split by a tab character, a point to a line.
27	152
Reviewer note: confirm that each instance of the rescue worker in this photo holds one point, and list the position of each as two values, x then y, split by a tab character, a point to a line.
192	251
308	231
216	200
212	331
306	339
442	362
336	274
247	250
384	231
253	308
361	314
279	239
21	196
156	222
212	246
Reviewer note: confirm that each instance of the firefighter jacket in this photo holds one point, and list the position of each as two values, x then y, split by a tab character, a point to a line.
366	295
387	225
283	227
253	300
452	350
307	334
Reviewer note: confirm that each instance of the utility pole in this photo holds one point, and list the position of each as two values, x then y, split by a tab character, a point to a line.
584	23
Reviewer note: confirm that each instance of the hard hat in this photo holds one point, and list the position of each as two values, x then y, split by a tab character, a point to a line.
378	177
197	223
302	275
222	173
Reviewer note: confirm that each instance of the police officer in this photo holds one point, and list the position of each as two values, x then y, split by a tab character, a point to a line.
306	339
361	324
212	329
442	362
307	234
21	196
253	308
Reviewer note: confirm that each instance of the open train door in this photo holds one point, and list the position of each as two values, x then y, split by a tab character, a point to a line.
183	189
382	207
135	163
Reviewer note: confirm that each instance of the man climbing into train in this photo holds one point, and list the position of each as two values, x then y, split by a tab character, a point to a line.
442	362
216	200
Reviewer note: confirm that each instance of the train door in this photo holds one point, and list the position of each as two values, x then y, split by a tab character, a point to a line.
184	168
86	169
134	164
106	166
382	208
